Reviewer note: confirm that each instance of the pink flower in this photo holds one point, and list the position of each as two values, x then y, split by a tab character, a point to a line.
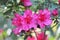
26	2
30	38
24	22
40	36
1	31
55	12
29	21
18	22
43	18
59	1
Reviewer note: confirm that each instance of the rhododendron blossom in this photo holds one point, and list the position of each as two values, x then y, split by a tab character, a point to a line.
29	21
23	22
26	2
43	18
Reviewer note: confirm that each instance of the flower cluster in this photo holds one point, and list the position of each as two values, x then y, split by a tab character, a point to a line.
30	20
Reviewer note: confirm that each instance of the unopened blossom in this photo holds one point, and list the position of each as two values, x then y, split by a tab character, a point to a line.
43	18
26	2
28	19
55	12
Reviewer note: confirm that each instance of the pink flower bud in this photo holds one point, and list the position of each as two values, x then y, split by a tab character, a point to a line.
55	12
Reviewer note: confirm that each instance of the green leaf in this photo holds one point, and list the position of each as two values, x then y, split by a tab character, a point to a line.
8	12
1	37
4	34
3	1
14	37
51	38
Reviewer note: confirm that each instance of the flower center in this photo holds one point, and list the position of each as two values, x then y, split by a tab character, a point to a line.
42	17
28	19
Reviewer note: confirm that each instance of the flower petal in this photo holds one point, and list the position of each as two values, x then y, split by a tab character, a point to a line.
48	22
27	3
30	38
41	25
27	12
17	30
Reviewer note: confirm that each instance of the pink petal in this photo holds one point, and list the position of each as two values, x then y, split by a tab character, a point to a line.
59	1
25	27
46	11
16	15
17	30
27	3
48	22
41	25
33	24
30	38
35	16
41	36
27	12
40	11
